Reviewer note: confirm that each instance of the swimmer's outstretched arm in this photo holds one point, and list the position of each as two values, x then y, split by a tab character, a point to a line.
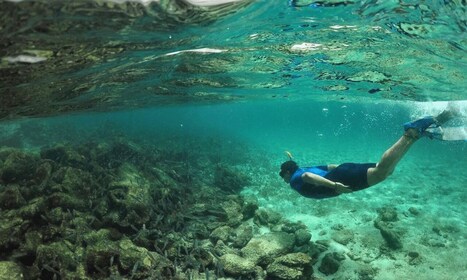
317	180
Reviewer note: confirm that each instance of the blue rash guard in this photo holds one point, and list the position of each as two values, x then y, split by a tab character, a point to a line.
308	190
353	175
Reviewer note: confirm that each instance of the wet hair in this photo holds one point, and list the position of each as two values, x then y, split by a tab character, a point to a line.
288	166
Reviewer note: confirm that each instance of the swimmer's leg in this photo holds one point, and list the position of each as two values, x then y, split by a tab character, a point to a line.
391	157
394	154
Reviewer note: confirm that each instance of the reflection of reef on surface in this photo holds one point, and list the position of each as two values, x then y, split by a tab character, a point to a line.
102	210
62	56
51	42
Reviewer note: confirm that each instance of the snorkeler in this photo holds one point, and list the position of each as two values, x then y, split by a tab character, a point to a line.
332	180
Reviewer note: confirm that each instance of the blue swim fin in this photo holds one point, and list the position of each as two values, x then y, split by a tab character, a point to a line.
421	124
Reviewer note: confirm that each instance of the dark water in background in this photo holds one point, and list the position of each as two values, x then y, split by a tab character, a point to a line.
111	72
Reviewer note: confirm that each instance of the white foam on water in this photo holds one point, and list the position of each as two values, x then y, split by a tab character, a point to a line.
24	59
202	50
420	109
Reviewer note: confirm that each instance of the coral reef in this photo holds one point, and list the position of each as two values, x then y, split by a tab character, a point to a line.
110	210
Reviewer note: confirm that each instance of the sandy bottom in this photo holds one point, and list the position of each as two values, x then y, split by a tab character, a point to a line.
428	192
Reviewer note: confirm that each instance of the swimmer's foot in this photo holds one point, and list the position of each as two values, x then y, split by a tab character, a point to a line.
417	128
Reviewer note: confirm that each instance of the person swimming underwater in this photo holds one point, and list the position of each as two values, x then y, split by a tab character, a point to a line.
331	180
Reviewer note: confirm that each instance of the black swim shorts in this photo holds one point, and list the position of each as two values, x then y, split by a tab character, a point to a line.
353	175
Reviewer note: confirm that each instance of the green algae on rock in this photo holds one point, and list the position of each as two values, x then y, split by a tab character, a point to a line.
264	249
294	266
10	270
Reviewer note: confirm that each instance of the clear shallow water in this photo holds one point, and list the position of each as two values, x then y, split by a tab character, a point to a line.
252	137
329	83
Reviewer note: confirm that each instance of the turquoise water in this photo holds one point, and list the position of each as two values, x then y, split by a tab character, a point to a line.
252	137
142	127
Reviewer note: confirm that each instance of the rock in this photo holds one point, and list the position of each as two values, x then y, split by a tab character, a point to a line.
263	249
32	240
266	217
11	198
100	257
343	236
302	237
233	211
64	155
203	255
330	263
274	217
387	214
392	238
56	216
221	233
132	257
325	243
261	217
312	249
414	211
56	257
243	235
17	167
129	196
414	258
436	242
249	207
292	227
130	254
10	271
5	152
222	249
43	172
65	201
9	237
436	229
94	237
76	179
367	272
295	266
236	266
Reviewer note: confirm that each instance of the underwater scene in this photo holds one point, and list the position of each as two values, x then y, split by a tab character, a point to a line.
212	139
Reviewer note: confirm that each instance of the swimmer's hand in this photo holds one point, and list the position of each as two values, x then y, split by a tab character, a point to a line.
341	188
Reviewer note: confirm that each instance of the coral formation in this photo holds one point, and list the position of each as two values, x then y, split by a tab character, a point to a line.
115	210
